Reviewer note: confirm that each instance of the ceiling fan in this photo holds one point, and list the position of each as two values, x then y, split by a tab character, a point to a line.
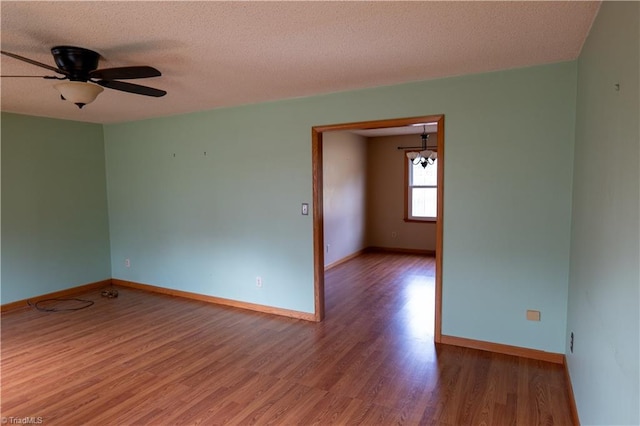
85	81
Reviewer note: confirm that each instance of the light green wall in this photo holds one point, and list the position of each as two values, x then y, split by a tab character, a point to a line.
210	224
54	207
605	254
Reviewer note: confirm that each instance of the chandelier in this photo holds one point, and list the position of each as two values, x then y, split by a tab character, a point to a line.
424	156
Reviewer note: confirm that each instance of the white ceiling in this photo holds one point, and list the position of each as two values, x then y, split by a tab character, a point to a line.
220	54
397	131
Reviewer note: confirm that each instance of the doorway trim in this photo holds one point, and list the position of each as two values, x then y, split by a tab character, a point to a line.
318	212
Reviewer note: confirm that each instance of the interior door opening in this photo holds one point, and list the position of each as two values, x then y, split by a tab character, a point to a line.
318	211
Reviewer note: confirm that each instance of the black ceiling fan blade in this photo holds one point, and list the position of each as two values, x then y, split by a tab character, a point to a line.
32	62
124	73
24	76
132	88
46	77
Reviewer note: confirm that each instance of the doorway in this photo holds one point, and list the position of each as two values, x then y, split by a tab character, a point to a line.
318	220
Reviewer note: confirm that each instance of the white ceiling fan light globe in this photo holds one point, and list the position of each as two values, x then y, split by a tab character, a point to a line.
412	155
79	92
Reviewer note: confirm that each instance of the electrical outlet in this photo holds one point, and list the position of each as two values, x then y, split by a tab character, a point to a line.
127	263
394	234
328	245
258	281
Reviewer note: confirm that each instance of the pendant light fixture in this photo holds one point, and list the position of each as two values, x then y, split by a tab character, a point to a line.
424	156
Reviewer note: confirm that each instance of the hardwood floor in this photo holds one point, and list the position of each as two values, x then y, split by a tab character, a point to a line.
154	359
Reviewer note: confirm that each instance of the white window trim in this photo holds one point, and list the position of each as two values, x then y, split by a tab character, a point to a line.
409	189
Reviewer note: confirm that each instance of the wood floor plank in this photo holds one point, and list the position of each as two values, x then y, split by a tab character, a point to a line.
154	359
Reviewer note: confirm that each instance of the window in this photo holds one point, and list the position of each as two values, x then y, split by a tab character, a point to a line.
422	192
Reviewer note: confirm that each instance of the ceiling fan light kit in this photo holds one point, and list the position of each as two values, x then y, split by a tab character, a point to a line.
78	92
86	82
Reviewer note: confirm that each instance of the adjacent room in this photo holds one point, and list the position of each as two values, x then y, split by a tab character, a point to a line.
320	212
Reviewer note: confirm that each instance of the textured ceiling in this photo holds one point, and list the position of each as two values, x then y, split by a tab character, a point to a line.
219	54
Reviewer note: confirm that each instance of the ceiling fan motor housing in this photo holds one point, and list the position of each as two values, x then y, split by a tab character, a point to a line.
77	61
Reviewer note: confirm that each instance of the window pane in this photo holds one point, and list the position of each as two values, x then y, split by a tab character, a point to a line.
424	202
424	175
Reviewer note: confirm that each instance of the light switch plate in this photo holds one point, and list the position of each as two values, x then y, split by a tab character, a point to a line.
305	209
